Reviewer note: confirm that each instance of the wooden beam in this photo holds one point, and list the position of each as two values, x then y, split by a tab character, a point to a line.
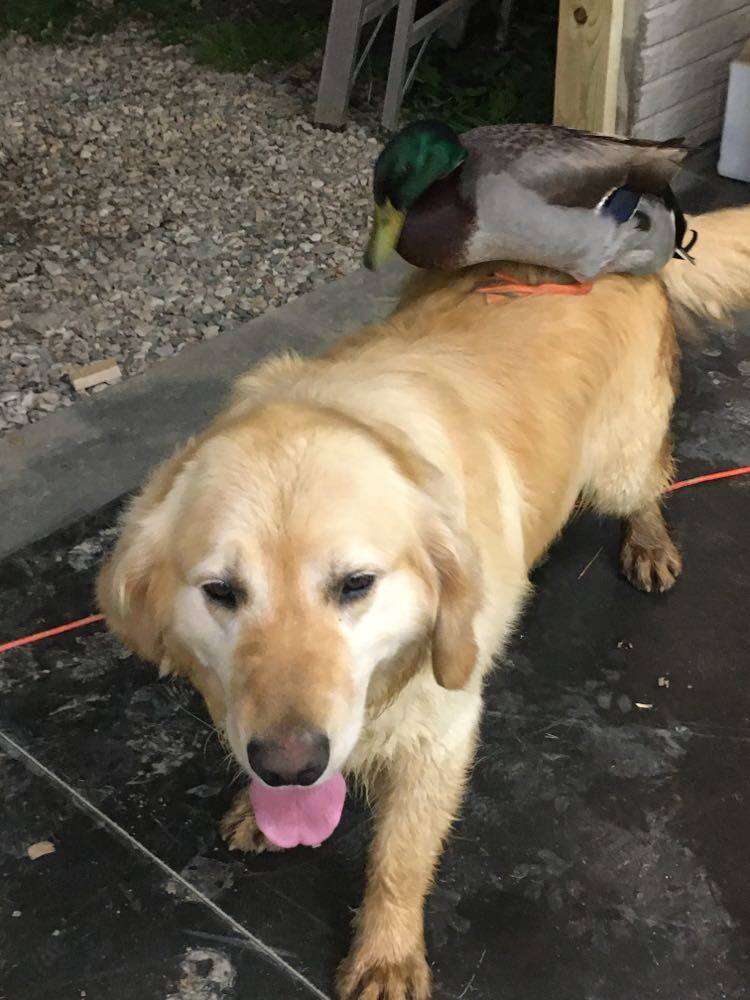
428	22
338	62
589	55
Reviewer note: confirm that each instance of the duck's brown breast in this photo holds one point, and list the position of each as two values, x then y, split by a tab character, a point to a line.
438	228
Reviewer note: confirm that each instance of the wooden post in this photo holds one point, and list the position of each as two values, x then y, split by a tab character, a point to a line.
589	55
338	62
402	41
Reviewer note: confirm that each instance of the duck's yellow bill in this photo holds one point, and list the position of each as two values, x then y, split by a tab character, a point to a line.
385	235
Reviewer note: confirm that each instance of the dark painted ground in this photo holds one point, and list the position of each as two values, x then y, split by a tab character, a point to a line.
603	851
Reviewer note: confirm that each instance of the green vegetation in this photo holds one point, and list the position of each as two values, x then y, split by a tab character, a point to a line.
476	85
227	43
471	85
228	46
42	20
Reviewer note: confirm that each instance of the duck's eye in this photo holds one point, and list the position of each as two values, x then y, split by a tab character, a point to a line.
221	592
355	586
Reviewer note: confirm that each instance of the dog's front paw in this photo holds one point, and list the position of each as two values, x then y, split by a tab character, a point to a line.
239	830
362	979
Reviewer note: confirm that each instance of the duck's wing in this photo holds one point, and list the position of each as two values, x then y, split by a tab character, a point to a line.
565	167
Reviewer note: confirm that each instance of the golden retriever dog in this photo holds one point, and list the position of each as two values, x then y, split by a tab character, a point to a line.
337	559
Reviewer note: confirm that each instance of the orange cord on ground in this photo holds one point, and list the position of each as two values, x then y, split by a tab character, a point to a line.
25	640
91	619
726	474
508	285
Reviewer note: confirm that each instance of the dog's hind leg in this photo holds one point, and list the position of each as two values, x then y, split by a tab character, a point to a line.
648	556
631	465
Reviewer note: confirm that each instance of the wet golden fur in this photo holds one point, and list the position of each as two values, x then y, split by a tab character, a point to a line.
445	450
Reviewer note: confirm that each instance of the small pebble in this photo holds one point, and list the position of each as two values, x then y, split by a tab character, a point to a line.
40	849
624	703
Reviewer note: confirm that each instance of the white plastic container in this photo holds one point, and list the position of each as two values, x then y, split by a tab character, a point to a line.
734	159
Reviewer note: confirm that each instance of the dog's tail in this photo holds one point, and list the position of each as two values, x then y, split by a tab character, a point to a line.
719	282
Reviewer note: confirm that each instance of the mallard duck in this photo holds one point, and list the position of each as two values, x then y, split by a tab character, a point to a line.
577	202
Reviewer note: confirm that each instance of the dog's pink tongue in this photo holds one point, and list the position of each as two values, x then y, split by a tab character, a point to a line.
293	814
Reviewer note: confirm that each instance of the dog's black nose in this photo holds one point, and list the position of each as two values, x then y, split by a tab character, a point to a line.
296	758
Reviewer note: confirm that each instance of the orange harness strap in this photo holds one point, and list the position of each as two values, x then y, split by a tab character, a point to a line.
508	285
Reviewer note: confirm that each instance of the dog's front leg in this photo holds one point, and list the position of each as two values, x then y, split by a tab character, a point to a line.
419	794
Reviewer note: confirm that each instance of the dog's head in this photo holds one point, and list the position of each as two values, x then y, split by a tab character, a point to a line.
293	564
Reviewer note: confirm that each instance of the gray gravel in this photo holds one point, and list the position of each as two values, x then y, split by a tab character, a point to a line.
146	202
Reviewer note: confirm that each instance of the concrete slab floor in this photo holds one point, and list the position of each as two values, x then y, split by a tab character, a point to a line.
602	850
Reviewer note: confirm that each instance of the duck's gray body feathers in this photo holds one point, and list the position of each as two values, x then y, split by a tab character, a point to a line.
537	193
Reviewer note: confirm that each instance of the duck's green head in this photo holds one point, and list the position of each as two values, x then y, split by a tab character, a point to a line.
413	160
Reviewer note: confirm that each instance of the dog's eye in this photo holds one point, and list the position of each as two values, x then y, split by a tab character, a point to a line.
355	586
221	592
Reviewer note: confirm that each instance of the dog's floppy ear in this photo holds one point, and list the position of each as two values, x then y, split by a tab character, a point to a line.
136	585
457	568
454	647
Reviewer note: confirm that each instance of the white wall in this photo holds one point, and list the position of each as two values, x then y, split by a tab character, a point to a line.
677	74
